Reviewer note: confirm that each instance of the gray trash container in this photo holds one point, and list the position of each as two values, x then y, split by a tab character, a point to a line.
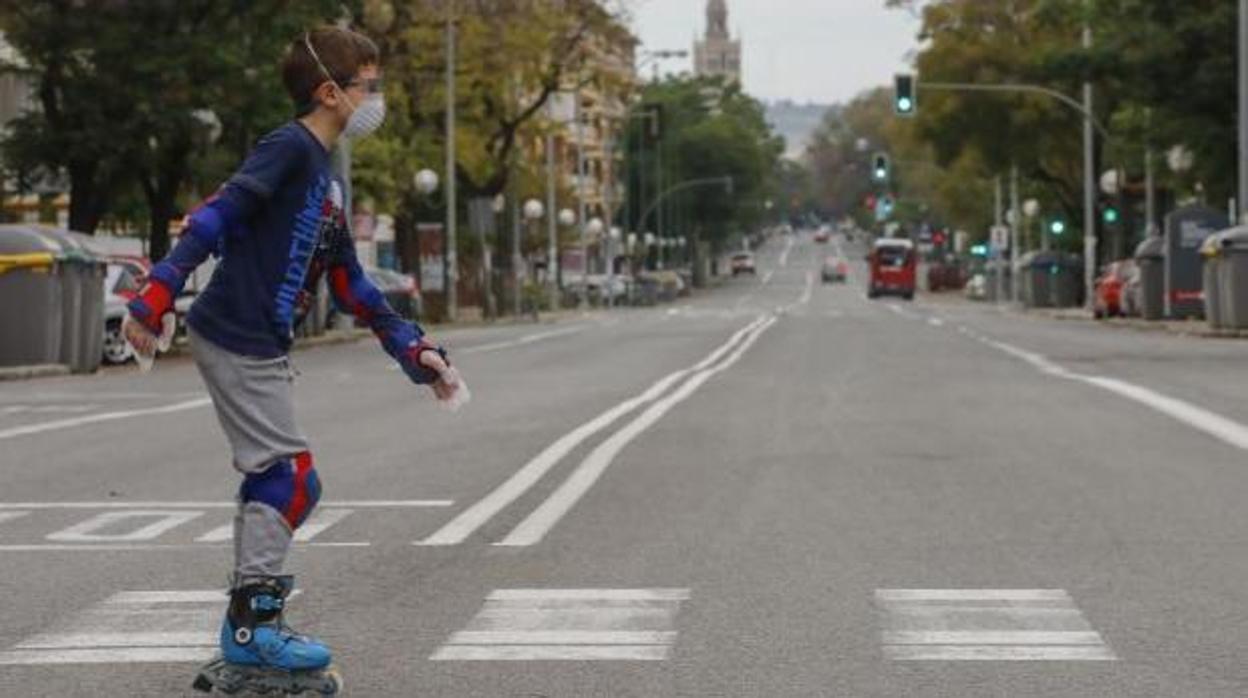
1067	283
1233	278
1036	283
1211	284
1151	260
31	290
82	314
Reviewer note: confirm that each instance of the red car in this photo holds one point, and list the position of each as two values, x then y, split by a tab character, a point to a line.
894	267
1109	288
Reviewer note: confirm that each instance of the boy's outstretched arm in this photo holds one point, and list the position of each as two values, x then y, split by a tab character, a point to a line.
422	361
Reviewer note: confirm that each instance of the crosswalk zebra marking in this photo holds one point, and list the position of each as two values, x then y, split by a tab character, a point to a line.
569	625
987	625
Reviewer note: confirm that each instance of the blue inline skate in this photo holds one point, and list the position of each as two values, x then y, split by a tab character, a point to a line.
260	654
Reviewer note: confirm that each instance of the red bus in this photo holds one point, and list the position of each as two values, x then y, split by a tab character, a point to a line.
893	268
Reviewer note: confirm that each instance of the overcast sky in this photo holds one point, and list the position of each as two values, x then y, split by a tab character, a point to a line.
804	50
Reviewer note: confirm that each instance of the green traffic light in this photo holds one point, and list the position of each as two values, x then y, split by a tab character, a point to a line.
1111	215
1057	227
904	104
881	173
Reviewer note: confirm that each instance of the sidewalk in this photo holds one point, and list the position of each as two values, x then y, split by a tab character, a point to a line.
1184	328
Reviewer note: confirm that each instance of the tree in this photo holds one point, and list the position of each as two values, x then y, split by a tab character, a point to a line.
708	129
113	116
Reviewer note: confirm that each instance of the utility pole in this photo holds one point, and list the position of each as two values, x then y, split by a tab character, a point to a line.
1089	183
580	198
1150	194
996	252
452	262
1015	219
1243	110
552	245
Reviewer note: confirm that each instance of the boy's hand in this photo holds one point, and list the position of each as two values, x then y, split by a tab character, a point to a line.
139	337
448	380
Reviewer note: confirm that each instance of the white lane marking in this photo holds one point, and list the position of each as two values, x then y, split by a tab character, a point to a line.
569	624
89	531
351	503
989	637
935	322
533	528
184	627
46	409
589	594
1211	423
320	520
987	625
101	417
472	518
179	596
127	655
767	277
132	547
784	256
537	653
527	339
316	524
1030	595
1000	653
220	534
11	515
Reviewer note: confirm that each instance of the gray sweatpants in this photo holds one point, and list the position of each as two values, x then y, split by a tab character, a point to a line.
254	401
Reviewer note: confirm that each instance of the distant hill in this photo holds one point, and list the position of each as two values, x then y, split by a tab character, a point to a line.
796	122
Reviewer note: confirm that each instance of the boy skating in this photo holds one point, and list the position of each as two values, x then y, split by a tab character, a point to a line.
278	226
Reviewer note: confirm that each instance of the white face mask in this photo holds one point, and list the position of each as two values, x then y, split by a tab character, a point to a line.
365	117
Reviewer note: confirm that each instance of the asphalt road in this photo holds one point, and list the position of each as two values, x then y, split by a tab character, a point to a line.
777	488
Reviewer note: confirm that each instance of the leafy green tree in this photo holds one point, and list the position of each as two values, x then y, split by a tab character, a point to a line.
708	129
132	93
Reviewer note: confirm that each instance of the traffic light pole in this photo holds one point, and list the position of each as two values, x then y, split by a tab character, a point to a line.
1243	110
1090	127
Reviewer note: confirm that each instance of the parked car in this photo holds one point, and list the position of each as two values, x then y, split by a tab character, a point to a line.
400	290
119	287
743	263
138	266
1107	301
823	235
835	270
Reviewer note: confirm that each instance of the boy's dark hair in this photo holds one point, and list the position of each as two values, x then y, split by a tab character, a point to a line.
342	51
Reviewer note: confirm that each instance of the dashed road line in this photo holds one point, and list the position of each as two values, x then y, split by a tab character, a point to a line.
987	625
569	625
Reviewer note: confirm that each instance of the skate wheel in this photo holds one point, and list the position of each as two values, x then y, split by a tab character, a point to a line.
333	683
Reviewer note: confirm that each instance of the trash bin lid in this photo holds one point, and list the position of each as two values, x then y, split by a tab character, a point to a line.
1212	246
1039	259
24	239
1151	248
1234	239
76	247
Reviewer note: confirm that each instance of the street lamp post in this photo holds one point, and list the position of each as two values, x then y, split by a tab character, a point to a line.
452	263
592	228
533	212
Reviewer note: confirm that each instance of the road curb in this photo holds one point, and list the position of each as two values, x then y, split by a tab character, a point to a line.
17	373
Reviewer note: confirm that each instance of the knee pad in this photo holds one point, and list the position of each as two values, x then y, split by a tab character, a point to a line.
289	485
